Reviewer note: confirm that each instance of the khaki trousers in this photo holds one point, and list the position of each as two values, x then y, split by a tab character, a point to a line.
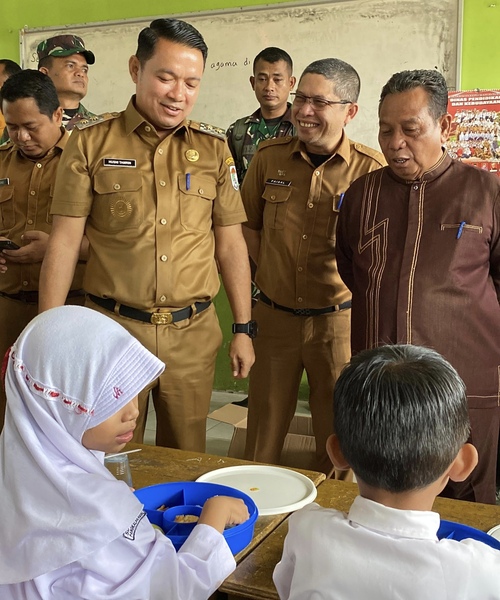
14	316
286	345
181	395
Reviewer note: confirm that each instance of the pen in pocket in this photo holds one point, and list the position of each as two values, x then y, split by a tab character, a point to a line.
188	181
460	229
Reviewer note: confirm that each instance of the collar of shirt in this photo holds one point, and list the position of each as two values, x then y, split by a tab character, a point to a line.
343	149
257	115
417	524
134	120
433	173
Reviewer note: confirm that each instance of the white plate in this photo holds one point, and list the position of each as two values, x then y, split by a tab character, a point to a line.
495	532
273	489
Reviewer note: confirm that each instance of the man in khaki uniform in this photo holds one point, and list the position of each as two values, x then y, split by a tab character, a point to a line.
28	165
158	198
292	193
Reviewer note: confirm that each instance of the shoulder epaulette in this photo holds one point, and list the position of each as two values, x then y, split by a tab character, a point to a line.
371	152
275	141
210	129
84	123
6	145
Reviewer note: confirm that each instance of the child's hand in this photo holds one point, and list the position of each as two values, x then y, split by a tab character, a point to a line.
220	511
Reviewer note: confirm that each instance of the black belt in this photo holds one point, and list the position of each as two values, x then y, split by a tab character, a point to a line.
32	297
305	312
157	318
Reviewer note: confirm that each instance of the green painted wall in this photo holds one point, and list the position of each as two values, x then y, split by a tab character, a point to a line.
480	68
480	51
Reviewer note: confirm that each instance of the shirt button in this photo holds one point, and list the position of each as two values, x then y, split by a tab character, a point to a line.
30	221
38	165
415	187
163	221
25	283
300	269
163	298
200	191
162	183
299	299
304	237
273	197
32	193
116	186
147	128
160	151
317	173
163	257
310	205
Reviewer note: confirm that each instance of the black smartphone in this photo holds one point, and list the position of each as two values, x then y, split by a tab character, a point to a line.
8	245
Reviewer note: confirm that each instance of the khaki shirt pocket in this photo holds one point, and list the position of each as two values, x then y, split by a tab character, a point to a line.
7	220
333	217
196	203
117	201
276	207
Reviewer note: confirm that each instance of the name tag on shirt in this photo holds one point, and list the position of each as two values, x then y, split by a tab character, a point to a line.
5	181
120	162
282	182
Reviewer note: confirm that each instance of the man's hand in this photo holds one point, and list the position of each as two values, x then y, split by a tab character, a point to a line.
33	251
242	355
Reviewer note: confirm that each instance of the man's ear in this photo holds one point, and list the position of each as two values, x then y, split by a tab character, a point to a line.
335	453
464	463
252	82
44	70
133	67
293	81
352	111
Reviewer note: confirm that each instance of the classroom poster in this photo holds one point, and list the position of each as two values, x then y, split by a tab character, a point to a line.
475	128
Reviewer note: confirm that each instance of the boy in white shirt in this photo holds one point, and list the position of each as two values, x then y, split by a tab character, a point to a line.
401	424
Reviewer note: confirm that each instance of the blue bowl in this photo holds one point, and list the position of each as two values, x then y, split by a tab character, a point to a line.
170	495
457	531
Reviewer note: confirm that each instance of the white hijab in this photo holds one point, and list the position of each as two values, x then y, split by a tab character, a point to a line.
70	370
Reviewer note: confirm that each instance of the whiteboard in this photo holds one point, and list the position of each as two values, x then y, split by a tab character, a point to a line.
377	37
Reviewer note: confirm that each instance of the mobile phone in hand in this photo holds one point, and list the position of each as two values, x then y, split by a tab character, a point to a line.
8	245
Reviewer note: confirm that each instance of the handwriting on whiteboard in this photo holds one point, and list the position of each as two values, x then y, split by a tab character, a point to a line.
228	64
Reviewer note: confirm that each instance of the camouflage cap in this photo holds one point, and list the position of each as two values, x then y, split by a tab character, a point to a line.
64	45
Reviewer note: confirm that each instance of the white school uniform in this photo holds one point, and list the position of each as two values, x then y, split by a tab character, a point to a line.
381	553
68	528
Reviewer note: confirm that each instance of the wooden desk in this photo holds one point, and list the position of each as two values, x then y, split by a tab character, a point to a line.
253	576
155	464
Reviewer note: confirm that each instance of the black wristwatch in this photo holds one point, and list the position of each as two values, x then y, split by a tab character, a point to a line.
249	328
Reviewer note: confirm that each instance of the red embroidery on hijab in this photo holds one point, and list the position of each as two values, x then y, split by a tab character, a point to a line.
117	393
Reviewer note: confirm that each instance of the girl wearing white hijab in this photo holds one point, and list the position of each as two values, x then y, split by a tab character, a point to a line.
68	528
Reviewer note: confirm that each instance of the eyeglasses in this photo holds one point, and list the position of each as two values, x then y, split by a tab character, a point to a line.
317	103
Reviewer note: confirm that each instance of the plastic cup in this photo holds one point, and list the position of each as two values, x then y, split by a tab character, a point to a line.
119	467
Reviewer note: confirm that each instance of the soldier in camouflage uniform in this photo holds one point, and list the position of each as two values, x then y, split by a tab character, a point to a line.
66	61
272	81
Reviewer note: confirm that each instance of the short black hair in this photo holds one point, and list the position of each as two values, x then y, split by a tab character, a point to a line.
430	80
400	415
31	84
46	62
9	66
345	78
173	30
273	55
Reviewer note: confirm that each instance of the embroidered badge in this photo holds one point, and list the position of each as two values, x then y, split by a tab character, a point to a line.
281	173
234	177
192	155
129	534
131	163
229	161
282	182
120	208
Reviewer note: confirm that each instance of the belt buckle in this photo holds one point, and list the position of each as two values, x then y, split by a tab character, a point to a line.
162	318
